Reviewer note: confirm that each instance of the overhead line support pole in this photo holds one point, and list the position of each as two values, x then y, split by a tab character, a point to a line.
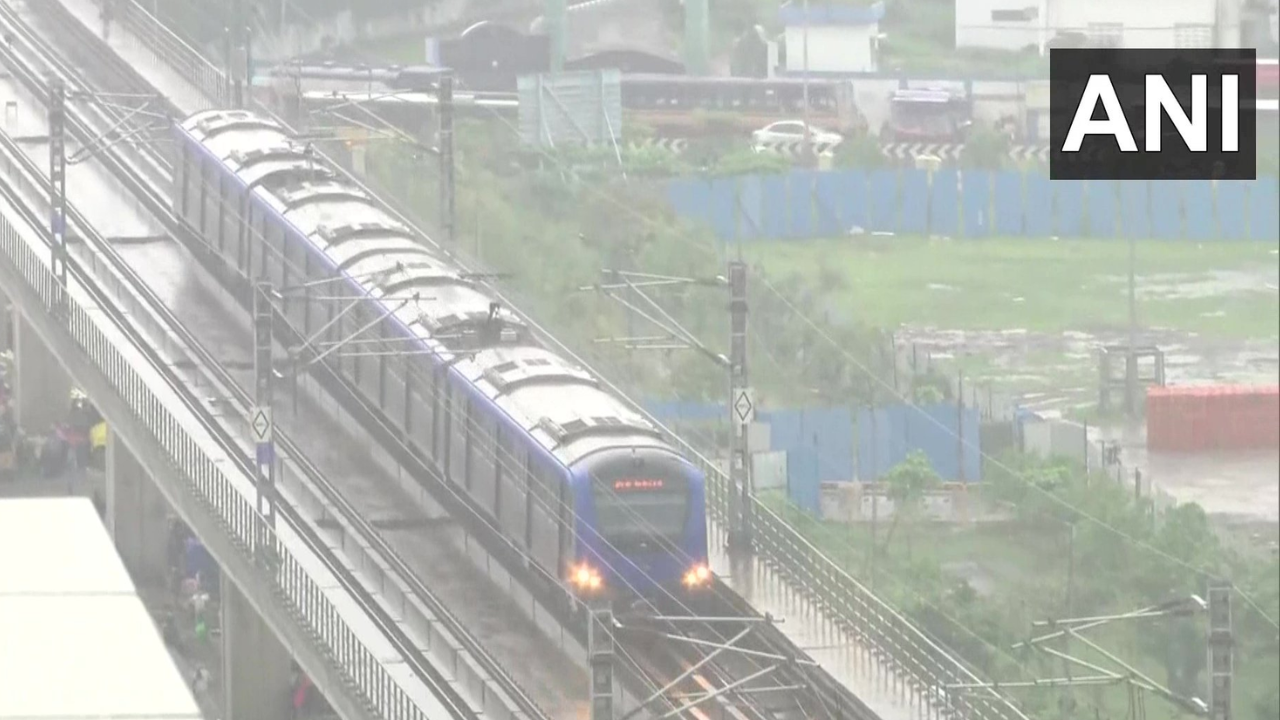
741	410
58	192
448	200
600	650
261	424
1220	649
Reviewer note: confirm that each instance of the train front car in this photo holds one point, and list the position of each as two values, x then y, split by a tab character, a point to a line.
643	530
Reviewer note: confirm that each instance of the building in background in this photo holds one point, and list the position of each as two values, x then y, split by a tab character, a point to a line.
1036	25
841	38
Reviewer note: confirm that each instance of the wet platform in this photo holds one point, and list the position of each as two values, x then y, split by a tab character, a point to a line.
812	631
141	56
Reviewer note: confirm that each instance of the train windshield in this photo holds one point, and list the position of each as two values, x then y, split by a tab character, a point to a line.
641	513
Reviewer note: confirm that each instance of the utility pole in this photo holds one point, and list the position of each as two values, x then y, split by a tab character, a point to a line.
58	197
600	651
235	58
1131	357
741	408
554	11
448	205
261	424
804	83
1220	647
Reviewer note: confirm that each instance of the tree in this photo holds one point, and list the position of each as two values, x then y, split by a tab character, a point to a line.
908	482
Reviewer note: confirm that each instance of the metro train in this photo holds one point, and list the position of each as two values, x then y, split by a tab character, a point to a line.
586	487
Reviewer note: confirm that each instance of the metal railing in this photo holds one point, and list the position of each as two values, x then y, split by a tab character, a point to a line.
201	476
926	668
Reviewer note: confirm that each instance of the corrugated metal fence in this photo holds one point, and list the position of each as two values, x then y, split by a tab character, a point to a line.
976	203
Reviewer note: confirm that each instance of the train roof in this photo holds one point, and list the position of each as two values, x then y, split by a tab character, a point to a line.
555	400
559	402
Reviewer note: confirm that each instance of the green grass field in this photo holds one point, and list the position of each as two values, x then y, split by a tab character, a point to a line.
1217	289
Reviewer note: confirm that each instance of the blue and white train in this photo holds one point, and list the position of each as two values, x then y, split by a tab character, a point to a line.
586	487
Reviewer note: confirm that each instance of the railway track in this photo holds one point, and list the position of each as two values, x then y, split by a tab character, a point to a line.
444	690
656	650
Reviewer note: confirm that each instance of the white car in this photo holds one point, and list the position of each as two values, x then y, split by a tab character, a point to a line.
792	131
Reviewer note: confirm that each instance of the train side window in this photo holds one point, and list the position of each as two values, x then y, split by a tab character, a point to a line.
483	450
367	354
191	181
460	408
185	159
544	487
287	253
209	217
393	386
512	461
231	214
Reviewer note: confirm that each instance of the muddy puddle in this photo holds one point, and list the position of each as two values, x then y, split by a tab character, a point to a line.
1059	372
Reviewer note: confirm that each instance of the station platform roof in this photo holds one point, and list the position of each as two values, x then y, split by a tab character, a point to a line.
75	639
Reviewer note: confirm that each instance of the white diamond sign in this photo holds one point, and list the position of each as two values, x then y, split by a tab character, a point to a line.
260	424
744	407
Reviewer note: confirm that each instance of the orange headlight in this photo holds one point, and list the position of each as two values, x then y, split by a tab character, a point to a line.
697	575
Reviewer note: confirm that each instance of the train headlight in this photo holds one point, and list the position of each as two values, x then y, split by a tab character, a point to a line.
584	577
697	576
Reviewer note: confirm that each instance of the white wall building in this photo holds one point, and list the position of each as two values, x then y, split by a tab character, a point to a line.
1026	24
841	38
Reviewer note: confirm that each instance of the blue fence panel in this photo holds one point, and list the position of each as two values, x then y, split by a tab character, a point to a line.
806	203
1039	199
944	203
828	431
883	213
1100	195
886	435
976	191
1197	201
784	429
1264	211
803	486
750	193
1231	210
831	432
827	202
1166	211
880	440
773	205
689	197
1009	204
723	205
1135	215
1068	196
853	199
913	219
800	191
937	431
